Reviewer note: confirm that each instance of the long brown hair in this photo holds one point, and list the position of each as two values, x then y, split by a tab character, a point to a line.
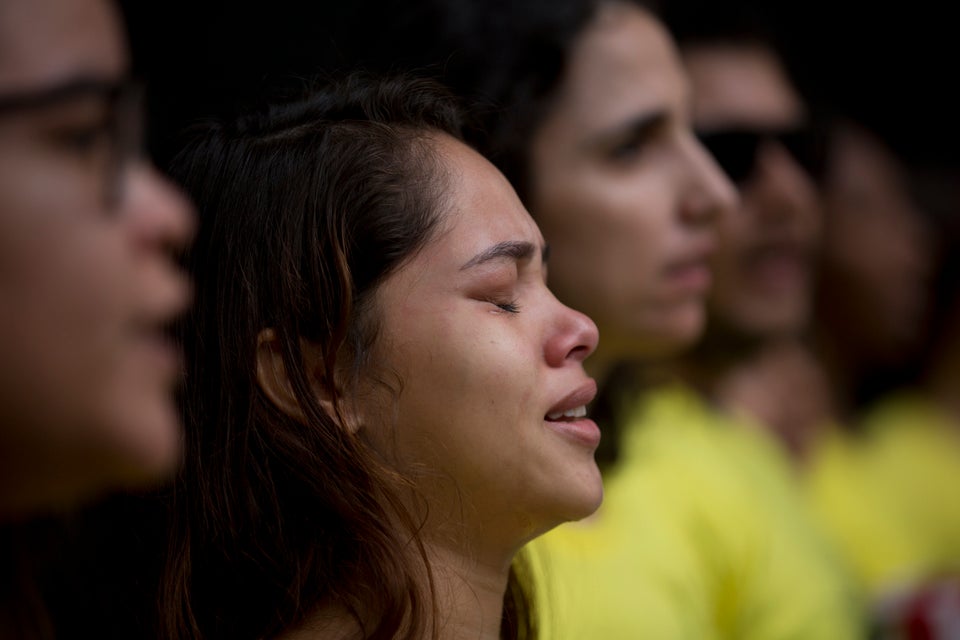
305	208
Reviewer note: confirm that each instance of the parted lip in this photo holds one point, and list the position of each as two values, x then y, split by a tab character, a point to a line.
582	395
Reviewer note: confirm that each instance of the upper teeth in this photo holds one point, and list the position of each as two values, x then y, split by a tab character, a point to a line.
578	412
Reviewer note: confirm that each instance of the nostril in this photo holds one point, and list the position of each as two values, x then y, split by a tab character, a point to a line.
580	352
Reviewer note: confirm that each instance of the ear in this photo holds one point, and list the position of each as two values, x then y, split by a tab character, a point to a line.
275	383
272	376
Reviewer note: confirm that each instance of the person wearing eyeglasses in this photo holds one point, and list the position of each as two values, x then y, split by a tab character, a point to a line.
87	287
87	282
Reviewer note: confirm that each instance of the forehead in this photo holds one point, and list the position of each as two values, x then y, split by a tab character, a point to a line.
45	42
623	63
481	208
740	85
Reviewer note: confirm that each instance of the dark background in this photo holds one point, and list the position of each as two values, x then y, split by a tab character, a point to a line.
892	66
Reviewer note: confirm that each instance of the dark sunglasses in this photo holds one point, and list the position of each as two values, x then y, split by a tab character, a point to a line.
125	126
736	150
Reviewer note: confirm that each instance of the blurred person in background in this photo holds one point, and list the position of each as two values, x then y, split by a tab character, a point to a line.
87	282
746	110
884	474
802	320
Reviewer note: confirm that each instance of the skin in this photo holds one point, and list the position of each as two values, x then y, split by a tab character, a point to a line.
482	351
624	193
763	266
86	402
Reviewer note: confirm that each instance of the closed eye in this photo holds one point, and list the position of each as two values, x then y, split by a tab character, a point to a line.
509	307
629	141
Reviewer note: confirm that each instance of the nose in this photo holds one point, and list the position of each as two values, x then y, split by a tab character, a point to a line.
707	192
573	337
158	223
781	187
159	217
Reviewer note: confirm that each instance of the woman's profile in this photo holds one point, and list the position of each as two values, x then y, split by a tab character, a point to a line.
383	401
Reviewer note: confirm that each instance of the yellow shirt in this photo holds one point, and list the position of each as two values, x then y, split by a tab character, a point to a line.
701	535
890	493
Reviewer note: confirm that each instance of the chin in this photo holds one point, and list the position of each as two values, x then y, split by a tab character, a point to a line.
676	334
147	444
587	498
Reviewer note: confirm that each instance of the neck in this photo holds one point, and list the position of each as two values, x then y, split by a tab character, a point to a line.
715	358
776	382
469	600
470	594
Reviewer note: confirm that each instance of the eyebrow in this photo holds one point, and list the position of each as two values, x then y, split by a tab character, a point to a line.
512	249
639	127
60	93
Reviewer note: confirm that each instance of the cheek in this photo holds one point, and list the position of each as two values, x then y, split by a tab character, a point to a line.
98	283
82	309
465	384
608	237
67	278
66	339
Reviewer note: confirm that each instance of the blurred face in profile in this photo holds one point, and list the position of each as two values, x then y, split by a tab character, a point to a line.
877	250
753	121
623	191
86	285
490	406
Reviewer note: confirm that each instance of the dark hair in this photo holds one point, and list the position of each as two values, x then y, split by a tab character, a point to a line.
509	59
505	59
305	208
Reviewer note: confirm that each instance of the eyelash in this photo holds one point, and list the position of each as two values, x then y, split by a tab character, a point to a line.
509	306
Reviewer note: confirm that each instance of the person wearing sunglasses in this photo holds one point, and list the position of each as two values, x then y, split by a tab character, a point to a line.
753	120
87	282
873	478
755	124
